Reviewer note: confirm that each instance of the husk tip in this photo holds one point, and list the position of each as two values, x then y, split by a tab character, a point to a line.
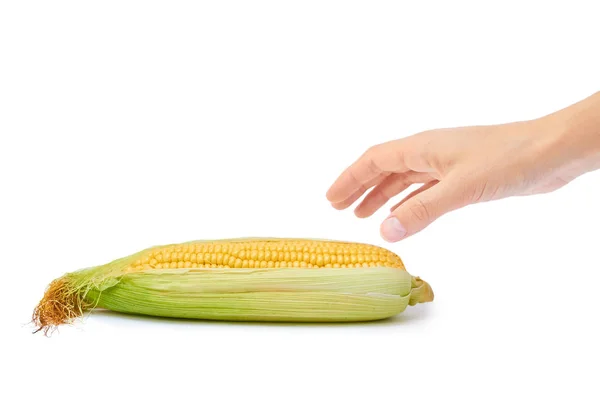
427	294
422	291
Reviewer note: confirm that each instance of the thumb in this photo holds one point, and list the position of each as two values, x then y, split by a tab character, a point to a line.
421	208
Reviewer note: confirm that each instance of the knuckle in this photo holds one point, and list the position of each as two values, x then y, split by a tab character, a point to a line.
373	149
419	211
389	191
353	174
372	166
381	196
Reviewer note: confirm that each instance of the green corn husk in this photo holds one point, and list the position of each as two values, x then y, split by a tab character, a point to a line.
263	294
234	294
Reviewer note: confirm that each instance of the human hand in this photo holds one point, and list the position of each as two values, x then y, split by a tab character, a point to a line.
462	166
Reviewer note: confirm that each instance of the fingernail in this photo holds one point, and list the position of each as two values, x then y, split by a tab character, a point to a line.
392	230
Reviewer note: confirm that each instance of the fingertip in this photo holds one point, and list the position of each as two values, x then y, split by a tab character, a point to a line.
392	230
328	195
359	213
339	206
333	195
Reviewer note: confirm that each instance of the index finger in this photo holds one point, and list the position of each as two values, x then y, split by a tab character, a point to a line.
379	160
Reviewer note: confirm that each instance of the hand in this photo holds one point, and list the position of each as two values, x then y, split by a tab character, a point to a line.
462	166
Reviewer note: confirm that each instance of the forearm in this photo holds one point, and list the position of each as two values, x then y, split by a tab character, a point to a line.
576	133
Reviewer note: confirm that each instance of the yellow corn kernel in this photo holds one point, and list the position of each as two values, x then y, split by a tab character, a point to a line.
267	253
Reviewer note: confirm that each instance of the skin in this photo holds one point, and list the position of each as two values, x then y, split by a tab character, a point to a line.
461	166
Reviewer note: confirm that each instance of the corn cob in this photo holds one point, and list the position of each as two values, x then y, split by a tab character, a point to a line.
250	279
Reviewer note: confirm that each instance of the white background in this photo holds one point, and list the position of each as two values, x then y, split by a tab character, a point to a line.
128	124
